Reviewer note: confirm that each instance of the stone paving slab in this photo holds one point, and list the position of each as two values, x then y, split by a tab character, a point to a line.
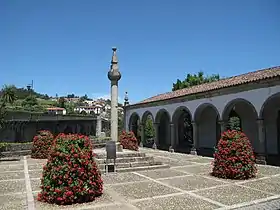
35	184
163	173
13	186
191	182
15	162
121	178
142	190
201	160
173	162
196	169
268	170
13	202
31	161
11	175
36	167
179	202
6	167
230	195
271	205
110	207
35	173
271	185
105	199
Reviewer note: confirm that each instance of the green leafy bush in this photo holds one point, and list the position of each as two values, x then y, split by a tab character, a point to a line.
129	141
71	174
149	130
41	144
234	157
234	123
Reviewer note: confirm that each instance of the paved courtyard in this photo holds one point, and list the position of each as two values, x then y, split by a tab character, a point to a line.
186	185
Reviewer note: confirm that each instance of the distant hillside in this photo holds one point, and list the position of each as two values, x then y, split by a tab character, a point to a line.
22	93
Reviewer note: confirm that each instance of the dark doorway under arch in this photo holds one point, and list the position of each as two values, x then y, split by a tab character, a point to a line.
134	123
247	115
163	120
183	130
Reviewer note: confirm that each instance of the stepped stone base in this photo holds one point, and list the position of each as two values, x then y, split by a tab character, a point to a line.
16	153
260	159
128	161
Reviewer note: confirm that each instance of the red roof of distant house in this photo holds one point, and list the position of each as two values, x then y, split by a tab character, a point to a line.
223	83
55	108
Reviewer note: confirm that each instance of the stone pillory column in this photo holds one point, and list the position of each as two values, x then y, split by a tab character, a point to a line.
114	76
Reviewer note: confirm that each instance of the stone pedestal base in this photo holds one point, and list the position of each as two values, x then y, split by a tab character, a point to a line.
119	147
193	151
260	159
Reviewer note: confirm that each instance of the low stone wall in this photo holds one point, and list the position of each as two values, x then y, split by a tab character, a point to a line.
4	147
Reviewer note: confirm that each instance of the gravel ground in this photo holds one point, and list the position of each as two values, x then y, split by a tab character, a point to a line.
186	185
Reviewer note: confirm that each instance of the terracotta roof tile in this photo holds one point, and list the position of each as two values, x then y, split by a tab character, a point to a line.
223	83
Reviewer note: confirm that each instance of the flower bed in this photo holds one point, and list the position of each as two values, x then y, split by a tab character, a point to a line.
71	174
41	145
234	157
129	141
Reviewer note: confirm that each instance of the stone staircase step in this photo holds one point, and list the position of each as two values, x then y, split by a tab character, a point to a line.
124	160
101	145
131	164
16	153
140	168
121	155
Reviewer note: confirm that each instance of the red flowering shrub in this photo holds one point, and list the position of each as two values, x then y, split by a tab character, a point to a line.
128	140
71	174
234	157
41	145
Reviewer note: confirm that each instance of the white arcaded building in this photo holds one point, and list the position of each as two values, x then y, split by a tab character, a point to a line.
196	116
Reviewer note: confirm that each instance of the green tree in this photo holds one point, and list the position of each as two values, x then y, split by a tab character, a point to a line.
149	128
70	107
30	101
8	94
61	102
234	123
195	79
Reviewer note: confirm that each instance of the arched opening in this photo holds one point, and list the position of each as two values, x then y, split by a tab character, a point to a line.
163	120
149	130
208	134
270	113
247	115
182	120
134	123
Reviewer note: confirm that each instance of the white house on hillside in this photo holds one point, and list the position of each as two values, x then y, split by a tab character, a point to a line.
56	110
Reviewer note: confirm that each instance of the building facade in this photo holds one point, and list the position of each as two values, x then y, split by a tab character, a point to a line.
195	117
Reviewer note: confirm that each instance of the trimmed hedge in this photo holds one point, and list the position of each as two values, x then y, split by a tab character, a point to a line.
234	157
129	141
41	144
71	174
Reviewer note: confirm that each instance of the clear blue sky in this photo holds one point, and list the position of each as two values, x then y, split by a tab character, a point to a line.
65	46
